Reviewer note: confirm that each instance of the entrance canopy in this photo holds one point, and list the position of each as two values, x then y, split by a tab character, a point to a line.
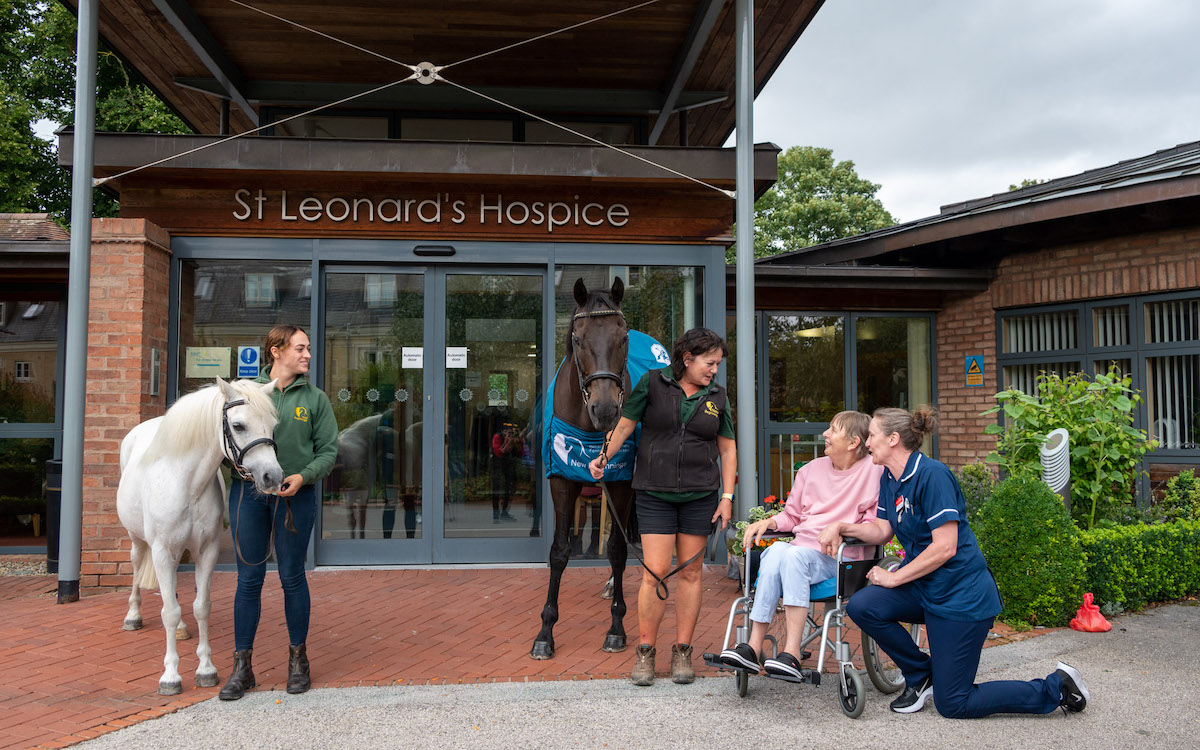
653	60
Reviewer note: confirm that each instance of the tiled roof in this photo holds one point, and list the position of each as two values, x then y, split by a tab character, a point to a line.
30	227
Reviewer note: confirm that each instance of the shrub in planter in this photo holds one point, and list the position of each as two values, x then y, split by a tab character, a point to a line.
1033	549
1181	501
1130	566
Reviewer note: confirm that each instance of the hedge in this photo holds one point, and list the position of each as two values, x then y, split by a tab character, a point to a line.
1129	566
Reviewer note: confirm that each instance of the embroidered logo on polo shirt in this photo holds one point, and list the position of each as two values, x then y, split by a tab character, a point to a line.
710	409
302	413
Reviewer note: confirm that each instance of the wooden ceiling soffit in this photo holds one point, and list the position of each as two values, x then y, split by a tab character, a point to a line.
701	29
436	97
201	41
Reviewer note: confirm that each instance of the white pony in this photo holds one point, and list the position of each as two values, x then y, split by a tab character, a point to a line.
171	498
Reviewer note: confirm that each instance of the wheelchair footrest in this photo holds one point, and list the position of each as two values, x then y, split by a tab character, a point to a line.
714	660
809	677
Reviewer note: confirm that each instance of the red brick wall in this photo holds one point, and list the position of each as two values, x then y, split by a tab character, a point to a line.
127	317
1148	263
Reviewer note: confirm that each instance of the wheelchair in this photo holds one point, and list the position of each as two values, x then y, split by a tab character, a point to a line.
832	594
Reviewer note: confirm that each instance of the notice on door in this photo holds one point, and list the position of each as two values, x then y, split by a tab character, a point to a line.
412	357
206	362
456	357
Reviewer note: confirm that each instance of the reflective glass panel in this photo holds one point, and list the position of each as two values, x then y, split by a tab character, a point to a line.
493	379
23	491
893	362
805	367
1173	401
30	331
787	454
374	376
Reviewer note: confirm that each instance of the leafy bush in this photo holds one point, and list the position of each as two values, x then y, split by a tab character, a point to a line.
977	483
1033	549
1130	566
1181	501
1106	449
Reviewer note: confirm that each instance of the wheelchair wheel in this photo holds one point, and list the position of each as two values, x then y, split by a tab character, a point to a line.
850	691
885	679
742	678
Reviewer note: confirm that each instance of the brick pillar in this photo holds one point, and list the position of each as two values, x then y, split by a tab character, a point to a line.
965	325
129	295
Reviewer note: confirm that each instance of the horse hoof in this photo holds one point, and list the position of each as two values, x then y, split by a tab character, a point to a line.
208	680
182	634
170	688
541	650
132	625
614	643
608	590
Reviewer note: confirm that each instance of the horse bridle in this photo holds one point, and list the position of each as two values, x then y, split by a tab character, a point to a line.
232	452
586	380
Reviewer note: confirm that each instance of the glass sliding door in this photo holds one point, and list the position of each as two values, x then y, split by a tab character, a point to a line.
372	508
492	334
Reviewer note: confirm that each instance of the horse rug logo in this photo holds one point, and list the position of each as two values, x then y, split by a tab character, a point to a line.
572	449
302	413
711	409
659	352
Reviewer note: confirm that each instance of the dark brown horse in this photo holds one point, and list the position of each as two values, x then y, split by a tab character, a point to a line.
590	389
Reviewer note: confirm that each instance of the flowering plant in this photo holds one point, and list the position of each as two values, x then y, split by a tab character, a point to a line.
770	507
893	549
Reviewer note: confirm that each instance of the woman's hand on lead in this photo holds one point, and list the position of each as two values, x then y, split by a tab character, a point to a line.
291	485
596	467
724	512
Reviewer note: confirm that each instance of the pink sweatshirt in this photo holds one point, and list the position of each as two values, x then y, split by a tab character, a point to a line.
822	495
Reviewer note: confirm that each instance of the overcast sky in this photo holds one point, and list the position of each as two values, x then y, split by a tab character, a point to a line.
944	100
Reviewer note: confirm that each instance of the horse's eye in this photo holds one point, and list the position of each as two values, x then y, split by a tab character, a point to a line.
239	427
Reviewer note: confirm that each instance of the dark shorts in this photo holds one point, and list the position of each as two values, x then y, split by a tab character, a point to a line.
657	516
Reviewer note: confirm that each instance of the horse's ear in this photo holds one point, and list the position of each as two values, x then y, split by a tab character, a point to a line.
618	290
580	292
226	389
269	387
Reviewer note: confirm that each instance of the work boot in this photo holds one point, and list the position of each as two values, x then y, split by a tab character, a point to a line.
643	666
242	678
681	664
298	679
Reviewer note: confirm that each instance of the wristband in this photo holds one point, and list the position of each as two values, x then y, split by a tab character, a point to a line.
726	495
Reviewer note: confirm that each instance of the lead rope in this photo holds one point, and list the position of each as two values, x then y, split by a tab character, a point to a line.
287	524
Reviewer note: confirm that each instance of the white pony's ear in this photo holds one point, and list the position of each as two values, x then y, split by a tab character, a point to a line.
269	387
226	389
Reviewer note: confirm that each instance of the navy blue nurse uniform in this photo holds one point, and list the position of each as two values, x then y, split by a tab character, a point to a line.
958	602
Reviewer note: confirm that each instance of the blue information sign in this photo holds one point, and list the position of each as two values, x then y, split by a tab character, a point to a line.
247	366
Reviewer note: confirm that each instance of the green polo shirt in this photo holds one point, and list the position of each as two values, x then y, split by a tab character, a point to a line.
635	407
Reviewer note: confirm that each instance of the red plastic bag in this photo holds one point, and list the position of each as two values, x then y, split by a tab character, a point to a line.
1088	619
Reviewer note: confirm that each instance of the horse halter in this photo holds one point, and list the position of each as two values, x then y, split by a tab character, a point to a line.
585	380
232	452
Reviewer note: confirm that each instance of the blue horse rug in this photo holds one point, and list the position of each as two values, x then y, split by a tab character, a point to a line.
567	450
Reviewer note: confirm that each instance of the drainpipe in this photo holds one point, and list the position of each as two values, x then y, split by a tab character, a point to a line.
747	494
75	375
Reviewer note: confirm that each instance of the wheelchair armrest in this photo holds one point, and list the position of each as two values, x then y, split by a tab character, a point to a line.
853	542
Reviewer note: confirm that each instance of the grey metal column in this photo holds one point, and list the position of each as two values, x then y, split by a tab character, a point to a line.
747	491
75	378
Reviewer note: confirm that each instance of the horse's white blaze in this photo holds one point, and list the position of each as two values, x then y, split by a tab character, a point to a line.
171	498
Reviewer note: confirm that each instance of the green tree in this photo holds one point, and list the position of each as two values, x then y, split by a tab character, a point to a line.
37	83
1027	182
816	199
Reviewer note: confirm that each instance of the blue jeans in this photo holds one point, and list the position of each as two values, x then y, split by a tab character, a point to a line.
953	659
251	518
788	570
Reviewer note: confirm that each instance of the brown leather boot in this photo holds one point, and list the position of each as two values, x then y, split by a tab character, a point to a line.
681	664
643	666
298	679
242	678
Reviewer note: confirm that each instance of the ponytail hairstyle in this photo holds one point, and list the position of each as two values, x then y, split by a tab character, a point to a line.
279	336
912	428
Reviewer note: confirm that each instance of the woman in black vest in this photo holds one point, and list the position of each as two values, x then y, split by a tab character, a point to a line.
680	491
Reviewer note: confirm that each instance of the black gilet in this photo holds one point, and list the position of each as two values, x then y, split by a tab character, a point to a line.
675	457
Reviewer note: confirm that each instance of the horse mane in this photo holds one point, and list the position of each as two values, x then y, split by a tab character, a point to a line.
195	418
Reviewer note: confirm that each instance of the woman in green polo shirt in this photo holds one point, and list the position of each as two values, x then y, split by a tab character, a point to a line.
681	492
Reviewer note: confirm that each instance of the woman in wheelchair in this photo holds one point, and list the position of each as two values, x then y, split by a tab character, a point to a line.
842	486
944	583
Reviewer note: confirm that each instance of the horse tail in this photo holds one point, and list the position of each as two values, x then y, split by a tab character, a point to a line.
144	575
